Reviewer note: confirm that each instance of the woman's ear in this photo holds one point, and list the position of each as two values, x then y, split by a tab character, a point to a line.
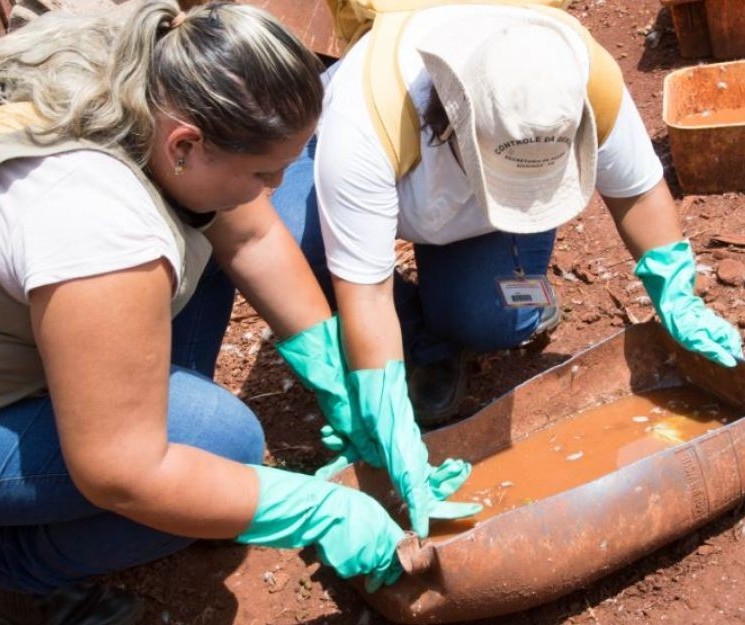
181	143
175	145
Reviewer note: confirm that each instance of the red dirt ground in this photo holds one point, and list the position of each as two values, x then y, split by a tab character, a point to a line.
698	580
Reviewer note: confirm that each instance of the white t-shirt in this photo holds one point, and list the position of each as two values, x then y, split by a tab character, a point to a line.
73	215
363	210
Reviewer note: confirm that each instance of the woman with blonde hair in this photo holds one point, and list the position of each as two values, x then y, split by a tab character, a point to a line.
135	159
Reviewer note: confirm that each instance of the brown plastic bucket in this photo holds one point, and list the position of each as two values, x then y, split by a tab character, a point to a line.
691	27
726	19
310	20
708	158
533	554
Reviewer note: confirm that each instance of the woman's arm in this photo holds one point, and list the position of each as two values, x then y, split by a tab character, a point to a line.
370	326
105	342
254	247
646	221
667	267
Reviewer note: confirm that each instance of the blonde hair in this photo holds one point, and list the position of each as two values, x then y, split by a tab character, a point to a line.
231	70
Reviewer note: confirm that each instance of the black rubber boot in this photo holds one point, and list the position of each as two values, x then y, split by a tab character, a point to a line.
437	389
80	605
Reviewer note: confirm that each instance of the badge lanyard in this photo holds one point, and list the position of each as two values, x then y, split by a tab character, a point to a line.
521	290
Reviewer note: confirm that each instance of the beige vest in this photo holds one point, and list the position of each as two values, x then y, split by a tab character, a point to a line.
21	370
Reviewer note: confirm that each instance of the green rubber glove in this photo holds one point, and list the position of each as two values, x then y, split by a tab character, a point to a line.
349	529
381	399
315	356
442	481
669	273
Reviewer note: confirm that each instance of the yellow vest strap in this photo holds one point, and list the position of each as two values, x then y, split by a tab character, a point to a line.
393	113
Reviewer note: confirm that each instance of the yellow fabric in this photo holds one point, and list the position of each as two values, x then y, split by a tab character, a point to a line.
392	111
354	17
604	89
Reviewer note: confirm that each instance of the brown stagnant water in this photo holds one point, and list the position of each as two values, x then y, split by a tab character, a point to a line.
714	117
585	447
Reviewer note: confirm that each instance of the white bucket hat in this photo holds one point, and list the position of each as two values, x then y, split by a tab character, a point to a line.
515	92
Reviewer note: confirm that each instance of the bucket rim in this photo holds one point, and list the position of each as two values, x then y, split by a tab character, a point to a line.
682	73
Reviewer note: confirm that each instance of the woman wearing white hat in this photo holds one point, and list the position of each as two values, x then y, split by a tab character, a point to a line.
508	152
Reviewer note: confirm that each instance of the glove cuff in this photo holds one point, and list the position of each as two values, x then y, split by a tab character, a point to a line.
672	254
316	358
307	343
667	272
286	504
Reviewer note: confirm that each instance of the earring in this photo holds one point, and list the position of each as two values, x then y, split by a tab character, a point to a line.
180	166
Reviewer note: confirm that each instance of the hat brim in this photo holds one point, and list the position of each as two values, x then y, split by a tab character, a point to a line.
527	205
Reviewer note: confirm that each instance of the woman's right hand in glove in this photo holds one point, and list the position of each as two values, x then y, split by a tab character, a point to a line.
350	531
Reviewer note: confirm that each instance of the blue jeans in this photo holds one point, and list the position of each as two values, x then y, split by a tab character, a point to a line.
50	535
455	303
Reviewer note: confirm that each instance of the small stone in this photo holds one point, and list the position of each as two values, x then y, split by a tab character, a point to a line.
731	272
590	317
706	550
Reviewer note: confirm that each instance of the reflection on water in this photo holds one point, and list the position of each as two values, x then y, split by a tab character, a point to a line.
714	117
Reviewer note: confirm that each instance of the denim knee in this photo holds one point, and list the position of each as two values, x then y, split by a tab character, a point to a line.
484	331
205	415
197	331
83	541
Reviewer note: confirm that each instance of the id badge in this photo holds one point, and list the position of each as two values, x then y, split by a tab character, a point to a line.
518	292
